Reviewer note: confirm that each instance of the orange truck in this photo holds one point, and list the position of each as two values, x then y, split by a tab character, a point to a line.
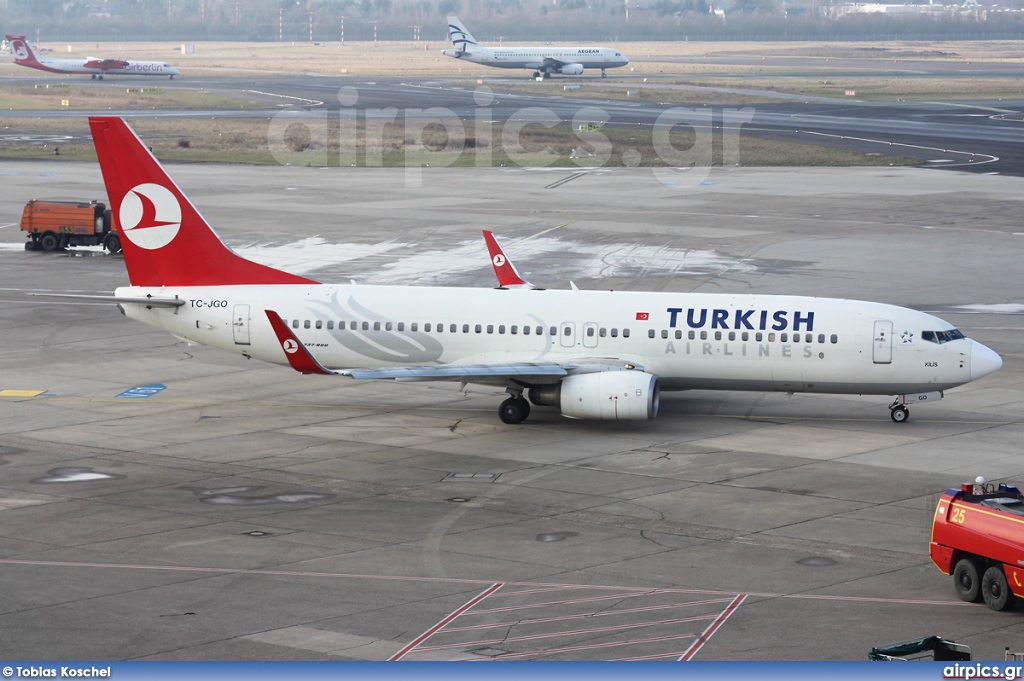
55	225
978	537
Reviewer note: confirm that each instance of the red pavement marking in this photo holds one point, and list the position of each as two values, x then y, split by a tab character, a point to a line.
712	628
595	630
431	631
605	613
572	649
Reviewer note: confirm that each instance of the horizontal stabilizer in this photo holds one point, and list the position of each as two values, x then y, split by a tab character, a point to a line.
149	301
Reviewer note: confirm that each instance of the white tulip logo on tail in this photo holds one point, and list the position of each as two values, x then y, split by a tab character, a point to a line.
150	216
19	50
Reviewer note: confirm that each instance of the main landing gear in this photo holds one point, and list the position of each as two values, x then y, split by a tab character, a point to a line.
514	410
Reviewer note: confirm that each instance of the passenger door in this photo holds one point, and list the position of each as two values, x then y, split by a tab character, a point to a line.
882	353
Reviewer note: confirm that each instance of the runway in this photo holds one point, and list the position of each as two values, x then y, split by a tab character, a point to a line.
982	136
163	501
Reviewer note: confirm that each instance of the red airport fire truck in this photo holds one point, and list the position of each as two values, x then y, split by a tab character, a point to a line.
978	537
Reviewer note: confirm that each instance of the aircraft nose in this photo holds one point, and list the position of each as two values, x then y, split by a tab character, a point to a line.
983	361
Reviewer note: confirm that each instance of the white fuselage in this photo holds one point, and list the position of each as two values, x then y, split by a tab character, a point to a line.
82	66
687	340
536	57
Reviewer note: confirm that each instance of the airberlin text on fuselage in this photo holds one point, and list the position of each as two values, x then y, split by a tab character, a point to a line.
143	67
751	320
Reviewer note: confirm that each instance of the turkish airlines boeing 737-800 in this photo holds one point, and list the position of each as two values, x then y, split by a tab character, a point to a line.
590	354
543	60
97	68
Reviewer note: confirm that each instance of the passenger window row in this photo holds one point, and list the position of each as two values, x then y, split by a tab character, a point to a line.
415	327
757	337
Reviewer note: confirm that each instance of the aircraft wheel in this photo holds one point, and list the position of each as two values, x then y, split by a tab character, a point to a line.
93	76
49	241
995	589
536	74
514	410
967	581
899	414
101	77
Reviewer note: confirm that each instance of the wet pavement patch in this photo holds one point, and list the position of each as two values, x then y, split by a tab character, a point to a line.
816	561
555	536
234	497
75	475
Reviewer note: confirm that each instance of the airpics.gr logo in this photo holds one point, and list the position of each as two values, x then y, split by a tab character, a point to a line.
150	216
19	49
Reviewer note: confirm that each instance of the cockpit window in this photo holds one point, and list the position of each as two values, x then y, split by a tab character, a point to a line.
941	336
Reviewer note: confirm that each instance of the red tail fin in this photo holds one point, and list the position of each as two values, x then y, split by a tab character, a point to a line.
23	54
166	242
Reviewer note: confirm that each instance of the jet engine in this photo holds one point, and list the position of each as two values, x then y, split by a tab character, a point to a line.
571	69
608	395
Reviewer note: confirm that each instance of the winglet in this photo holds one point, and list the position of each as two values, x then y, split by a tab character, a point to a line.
508	276
297	354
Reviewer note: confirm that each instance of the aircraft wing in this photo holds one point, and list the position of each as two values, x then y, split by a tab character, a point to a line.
552	63
462	372
301	360
104	64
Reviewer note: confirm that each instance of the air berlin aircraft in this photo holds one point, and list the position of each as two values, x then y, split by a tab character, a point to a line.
97	68
588	354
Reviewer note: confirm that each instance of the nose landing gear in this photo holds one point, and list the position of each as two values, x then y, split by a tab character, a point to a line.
899	413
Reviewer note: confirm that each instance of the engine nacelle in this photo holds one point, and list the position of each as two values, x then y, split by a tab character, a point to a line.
608	395
571	69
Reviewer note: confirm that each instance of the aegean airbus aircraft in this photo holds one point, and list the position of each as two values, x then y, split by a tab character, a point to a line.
97	68
588	354
543	60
